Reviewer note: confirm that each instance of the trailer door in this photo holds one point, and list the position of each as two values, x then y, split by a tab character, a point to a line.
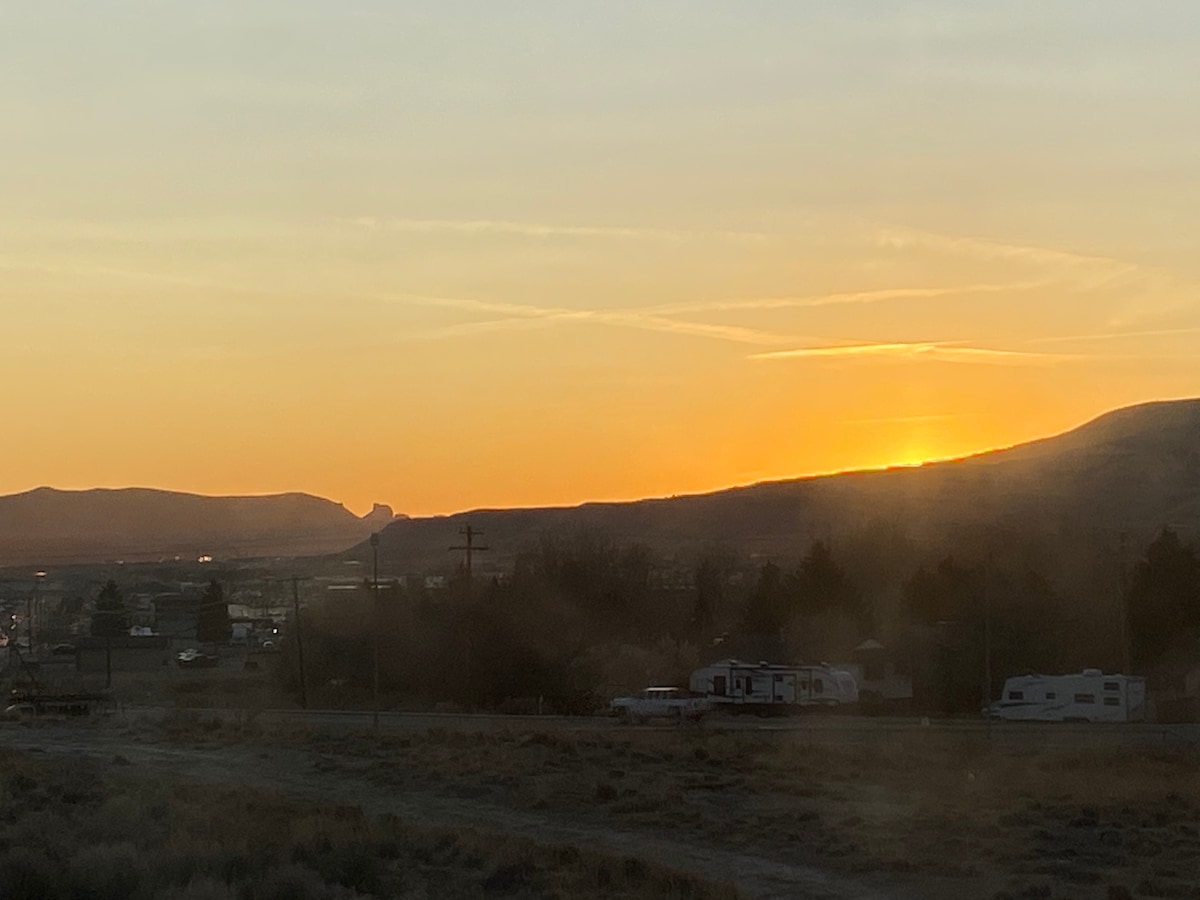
785	687
1135	699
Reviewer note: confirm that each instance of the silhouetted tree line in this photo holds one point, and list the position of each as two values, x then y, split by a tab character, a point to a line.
580	616
1163	603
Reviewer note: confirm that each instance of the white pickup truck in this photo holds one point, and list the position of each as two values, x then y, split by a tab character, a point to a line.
660	703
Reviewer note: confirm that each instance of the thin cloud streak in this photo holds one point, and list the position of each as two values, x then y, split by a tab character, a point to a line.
549	230
1149	292
555	315
1115	335
519	312
132	275
982	248
940	351
880	295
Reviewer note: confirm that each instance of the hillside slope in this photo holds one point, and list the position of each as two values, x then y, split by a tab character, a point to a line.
1133	470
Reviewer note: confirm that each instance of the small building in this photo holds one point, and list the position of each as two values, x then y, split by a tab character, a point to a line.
884	676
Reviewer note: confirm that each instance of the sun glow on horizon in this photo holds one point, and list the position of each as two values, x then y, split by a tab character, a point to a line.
564	252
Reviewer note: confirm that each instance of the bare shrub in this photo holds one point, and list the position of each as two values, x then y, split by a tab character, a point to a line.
201	888
294	882
28	873
109	872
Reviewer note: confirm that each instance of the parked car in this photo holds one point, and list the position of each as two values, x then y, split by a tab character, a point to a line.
194	659
18	711
660	703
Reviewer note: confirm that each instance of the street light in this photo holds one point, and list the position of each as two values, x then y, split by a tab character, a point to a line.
375	633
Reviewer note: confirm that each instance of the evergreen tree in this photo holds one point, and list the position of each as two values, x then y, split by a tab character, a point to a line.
822	585
769	607
708	593
949	593
212	623
1163	599
110	618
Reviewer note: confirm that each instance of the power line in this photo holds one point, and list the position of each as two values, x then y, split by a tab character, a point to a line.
470	547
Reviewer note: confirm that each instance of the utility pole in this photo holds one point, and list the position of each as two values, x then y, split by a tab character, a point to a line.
987	635
1126	651
471	548
299	642
34	602
375	634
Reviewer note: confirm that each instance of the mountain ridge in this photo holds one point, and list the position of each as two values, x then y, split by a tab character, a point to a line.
1133	469
47	525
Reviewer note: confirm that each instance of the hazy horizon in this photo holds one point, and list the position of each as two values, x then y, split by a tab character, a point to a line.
363	511
451	256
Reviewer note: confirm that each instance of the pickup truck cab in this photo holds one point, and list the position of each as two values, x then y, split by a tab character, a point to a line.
660	703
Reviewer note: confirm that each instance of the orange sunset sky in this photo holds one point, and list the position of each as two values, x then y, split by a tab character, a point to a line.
456	254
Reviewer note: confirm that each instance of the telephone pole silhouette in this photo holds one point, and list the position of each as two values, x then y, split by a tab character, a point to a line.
375	635
470	548
299	642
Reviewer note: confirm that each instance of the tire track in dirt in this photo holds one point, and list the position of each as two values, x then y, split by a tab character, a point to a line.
310	776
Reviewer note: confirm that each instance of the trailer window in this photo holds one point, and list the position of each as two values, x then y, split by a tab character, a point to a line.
1112	701
1016	695
1085	698
1112	686
1051	695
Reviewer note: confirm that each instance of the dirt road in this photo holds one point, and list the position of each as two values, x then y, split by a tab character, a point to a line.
843	730
307	775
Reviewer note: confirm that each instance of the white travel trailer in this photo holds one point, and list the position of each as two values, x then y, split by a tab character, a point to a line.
764	687
1090	696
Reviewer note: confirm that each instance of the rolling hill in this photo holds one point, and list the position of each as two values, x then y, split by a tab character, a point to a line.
47	526
1131	471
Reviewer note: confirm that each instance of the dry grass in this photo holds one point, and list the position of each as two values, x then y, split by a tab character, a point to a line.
1069	822
71	829
995	820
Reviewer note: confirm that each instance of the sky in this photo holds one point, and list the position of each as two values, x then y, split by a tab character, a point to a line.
449	255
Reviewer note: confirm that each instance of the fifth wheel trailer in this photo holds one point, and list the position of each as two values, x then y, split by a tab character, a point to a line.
1090	696
765	687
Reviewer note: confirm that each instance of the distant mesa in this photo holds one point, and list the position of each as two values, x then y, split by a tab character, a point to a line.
47	526
380	515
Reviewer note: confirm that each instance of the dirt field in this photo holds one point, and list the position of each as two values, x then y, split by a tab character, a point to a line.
773	814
